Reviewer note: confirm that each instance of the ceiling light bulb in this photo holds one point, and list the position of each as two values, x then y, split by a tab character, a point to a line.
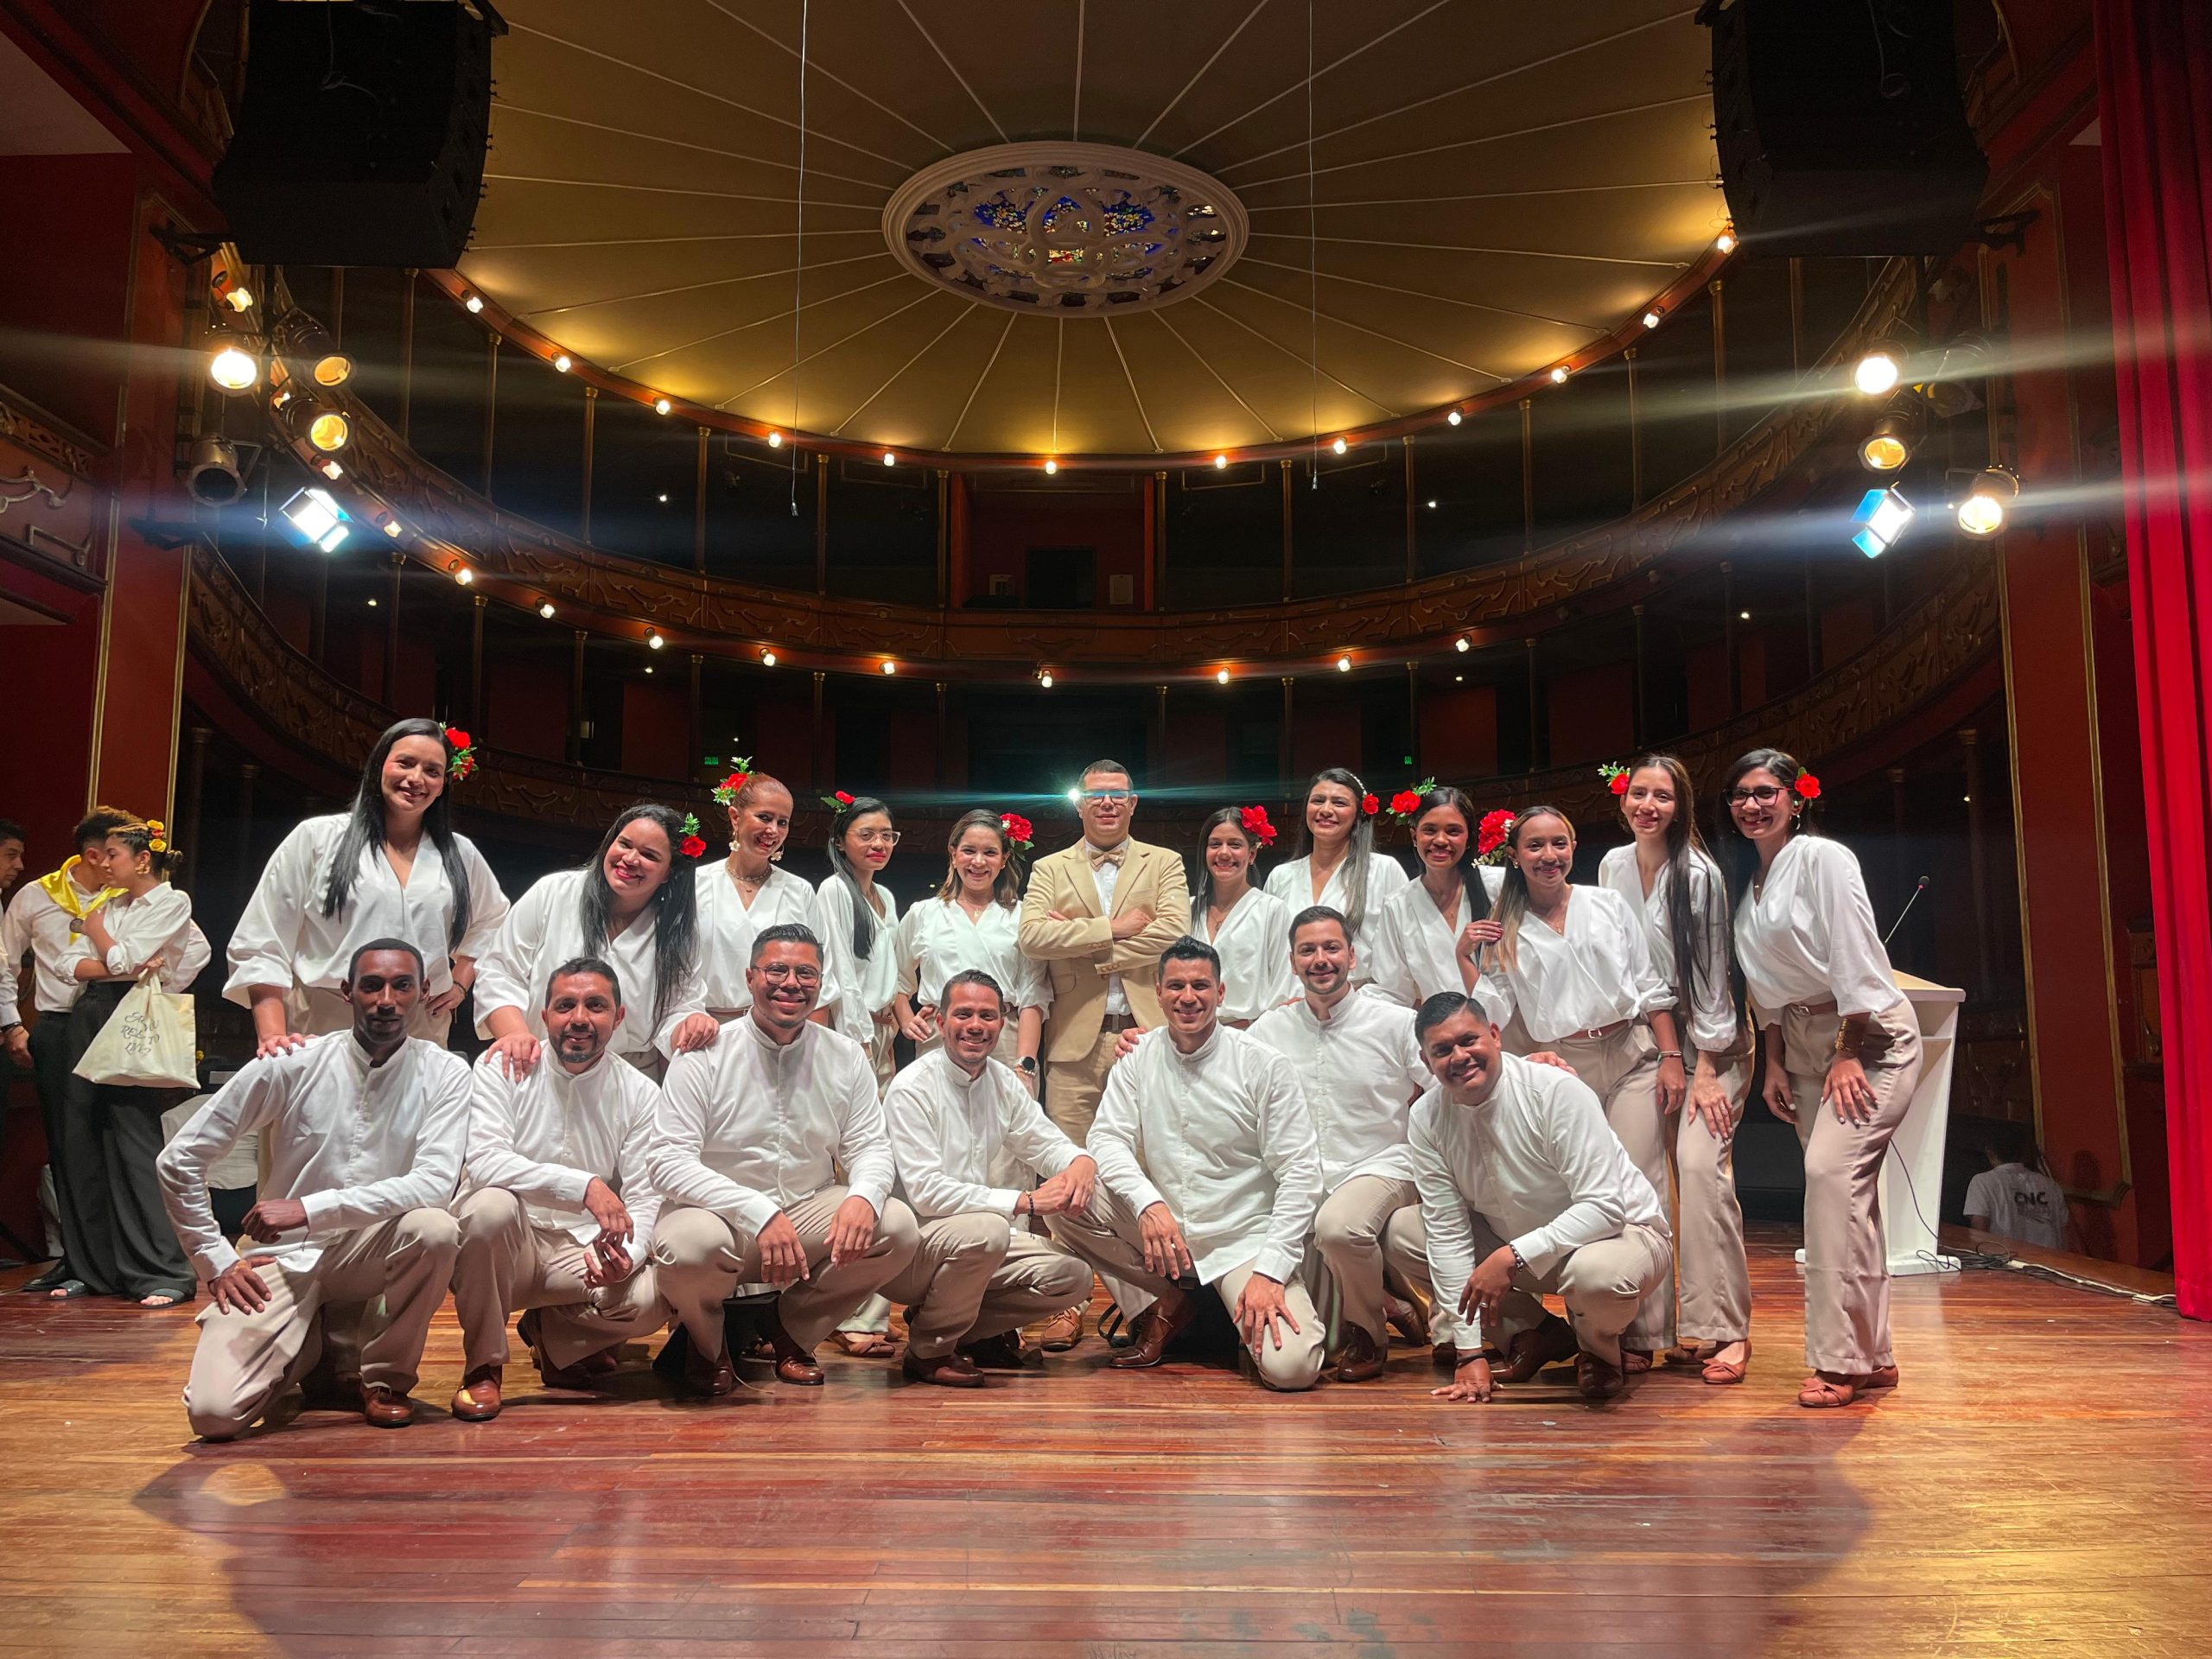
329	468
890	667
393	528
233	369
545	609
1220	462
1455	417
663	495
1461	644
1431	503
1652	319
655	641
474	302
1344	664
1051	466
1559	375
661	405
1883	452
1878	373
464	576
1983	512
334	370
329	430
775	440
889	459
1339	446
649	668
562	364
1045	679
372	604
1725	241
1221	677
239	299
768	658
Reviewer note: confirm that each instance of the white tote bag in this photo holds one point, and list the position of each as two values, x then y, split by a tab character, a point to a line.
148	1042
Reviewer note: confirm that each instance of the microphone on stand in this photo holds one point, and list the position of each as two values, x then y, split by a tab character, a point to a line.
1918	887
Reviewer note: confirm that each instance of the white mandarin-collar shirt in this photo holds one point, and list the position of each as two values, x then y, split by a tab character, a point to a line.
1537	1161
749	1127
284	939
938	940
1225	1138
1384	876
36	924
158	922
1594	974
1413	952
1361	1069
1104	875
545	929
1809	934
356	1143
543	1138
946	1127
854	988
727	927
1711	1025
1253	941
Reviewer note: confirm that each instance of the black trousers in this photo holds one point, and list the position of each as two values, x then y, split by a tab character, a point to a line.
50	1067
113	1223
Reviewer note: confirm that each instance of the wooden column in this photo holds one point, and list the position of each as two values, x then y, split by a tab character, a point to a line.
1286	747
1413	553
576	697
1528	475
1413	714
188	816
699	508
1977	855
1160	540
943	539
1634	433
476	721
1288	577
591	420
1728	621
1719	369
1812	621
1159	766
814	769
961	583
406	354
247	872
490	407
696	719
1641	705
822	524
391	634
1536	712
938	769
1796	316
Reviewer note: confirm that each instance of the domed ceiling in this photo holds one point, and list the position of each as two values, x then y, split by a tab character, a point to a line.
1084	228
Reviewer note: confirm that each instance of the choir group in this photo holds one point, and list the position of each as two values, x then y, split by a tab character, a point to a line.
1343	1101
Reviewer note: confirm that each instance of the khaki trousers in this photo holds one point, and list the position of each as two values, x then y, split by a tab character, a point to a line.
1073	1087
974	1276
1624	1070
1605	1285
1715	1277
1846	1257
1369	1221
1106	1235
699	1262
508	1263
244	1360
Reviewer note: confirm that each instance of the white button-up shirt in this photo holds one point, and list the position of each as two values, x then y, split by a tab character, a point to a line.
1104	877
158	922
945	1129
356	1143
749	1127
545	929
1255	946
1361	1069
36	924
852	987
1413	952
1810	935
937	940
1537	1161
1383	876
1225	1138
284	939
1710	1003
727	927
1594	974
545	1137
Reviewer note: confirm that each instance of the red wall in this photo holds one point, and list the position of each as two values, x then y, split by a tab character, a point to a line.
1593	714
1003	527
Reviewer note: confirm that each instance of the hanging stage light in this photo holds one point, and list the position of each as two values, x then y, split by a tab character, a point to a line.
332	369
234	371
1879	371
215	477
317	518
1882	518
1989	501
329	431
1896	435
661	405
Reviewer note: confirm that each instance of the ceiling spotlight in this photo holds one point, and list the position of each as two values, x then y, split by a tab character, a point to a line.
1652	319
1559	375
1455	417
775	440
1725	241
1890	445
661	405
545	609
562	362
890	459
1220	462
1221	677
372	604
233	369
1045	679
474	303
1462	643
1882	518
655	641
464	576
1339	446
1988	501
768	658
317	518
890	667
216	477
329	431
1431	503
1051	466
664	496
1742	616
1877	374
334	369
1344	664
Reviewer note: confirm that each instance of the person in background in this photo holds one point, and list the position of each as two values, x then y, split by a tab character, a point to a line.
360	875
2016	1198
11	853
1243	922
748	891
1337	864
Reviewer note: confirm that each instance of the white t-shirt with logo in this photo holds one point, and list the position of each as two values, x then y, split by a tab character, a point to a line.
2020	1203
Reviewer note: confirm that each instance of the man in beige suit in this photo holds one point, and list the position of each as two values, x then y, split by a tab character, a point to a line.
1098	915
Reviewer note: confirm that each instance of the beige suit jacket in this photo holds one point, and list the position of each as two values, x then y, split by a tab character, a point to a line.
1081	953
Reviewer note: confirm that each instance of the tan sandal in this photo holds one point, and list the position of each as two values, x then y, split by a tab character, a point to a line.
1823	1392
1722	1372
1635	1362
865	1344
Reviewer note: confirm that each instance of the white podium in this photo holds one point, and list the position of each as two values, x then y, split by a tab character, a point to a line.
1912	1169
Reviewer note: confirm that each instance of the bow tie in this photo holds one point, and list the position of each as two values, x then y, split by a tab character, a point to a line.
1111	855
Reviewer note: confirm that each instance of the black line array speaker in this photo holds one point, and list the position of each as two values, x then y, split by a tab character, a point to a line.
361	137
1841	126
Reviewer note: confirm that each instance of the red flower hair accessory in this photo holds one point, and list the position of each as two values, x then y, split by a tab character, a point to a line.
1370	804
1018	831
693	845
1492	834
1808	787
837	800
462	758
1406	801
1616	777
726	792
1254	822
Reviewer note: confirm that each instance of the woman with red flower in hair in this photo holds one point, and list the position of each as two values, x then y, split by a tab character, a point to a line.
1842	1054
973	921
1337	864
1428	938
1250	927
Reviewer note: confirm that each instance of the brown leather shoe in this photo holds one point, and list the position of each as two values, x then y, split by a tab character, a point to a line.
710	1377
946	1370
1551	1343
1595	1380
1062	1331
477	1400
1362	1360
324	1390
1004	1352
793	1363
1156	1327
1401	1316
583	1377
383	1407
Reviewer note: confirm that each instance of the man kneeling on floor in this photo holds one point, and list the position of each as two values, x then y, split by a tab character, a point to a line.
362	1136
745	1146
980	1274
560	1208
1507	1150
1208	1167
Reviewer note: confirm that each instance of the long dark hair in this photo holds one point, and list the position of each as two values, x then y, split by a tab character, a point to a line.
365	829
1684	847
1739	859
864	918
676	903
1202	888
1357	849
1513	897
1471	874
1006	887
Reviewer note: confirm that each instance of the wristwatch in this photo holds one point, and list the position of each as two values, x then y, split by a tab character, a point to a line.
1028	1063
1520	1261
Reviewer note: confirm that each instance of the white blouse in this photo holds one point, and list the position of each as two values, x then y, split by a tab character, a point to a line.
855	988
284	939
1595	974
545	929
1712	1004
156	923
727	926
1809	935
1413	952
1293	883
937	940
1255	946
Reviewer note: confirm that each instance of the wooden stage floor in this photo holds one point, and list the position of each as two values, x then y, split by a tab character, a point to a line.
2038	1486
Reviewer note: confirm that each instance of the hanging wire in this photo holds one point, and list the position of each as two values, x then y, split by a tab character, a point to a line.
798	260
1313	270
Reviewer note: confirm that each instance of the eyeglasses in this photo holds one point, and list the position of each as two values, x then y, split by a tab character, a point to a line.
1764	794
1108	796
777	972
878	837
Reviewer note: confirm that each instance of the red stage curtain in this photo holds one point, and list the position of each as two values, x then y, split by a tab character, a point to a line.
2154	86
